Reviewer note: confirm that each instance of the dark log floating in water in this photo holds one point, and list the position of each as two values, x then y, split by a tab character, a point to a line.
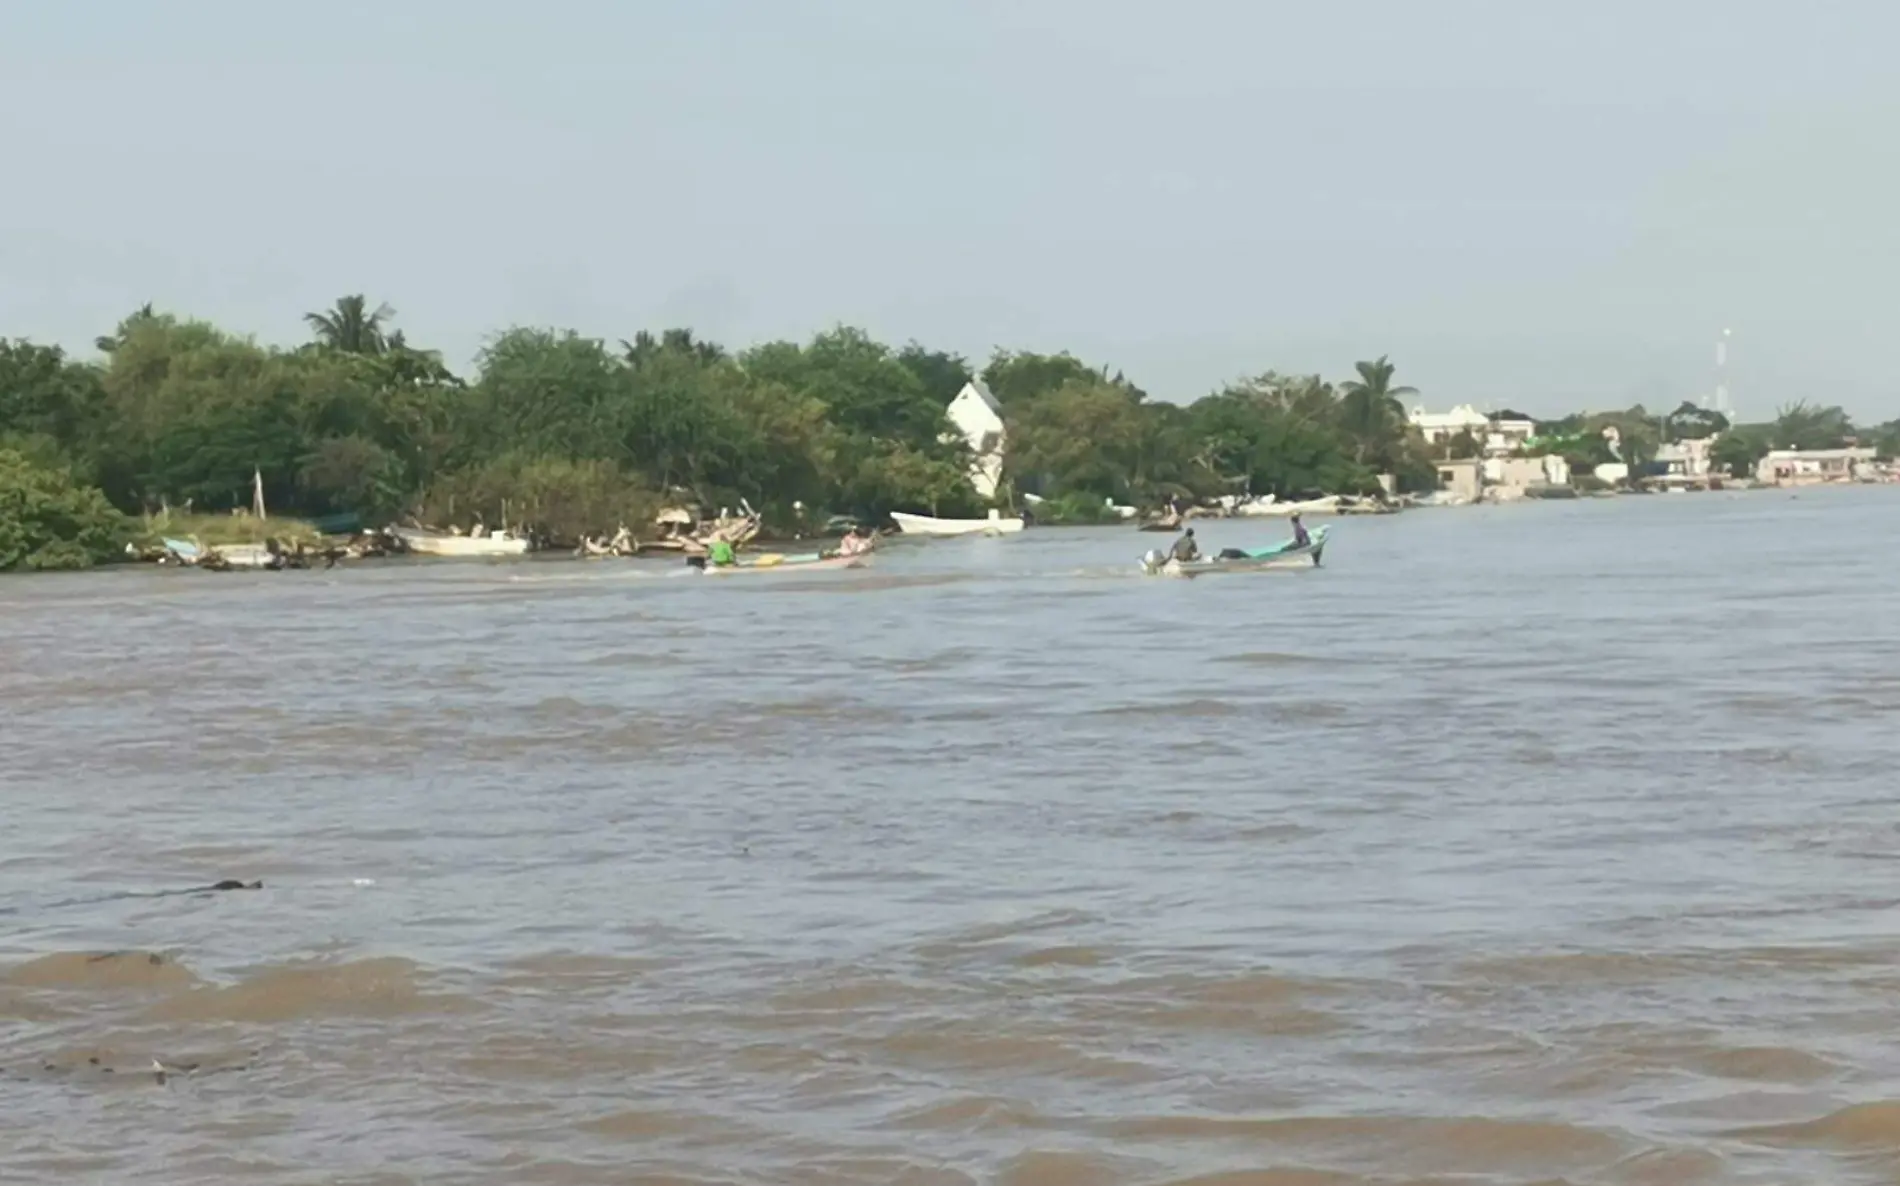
229	883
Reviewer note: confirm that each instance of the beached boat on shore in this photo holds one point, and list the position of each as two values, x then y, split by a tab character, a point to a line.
1282	555
996	524
225	556
622	544
244	556
499	542
1268	506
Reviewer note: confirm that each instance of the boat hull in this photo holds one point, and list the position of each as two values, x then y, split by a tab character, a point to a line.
788	564
229	556
424	543
926	525
255	556
1284	556
1274	509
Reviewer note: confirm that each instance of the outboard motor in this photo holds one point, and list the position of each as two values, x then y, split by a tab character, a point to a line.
1153	560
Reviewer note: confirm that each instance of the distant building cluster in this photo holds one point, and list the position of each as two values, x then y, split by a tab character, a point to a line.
1496	466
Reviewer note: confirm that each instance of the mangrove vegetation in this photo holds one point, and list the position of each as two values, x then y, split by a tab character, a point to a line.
572	434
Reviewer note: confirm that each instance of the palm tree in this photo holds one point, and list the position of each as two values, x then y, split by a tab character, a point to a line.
1802	425
644	347
1369	408
115	339
351	327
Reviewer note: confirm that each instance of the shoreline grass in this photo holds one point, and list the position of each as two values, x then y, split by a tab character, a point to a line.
219	530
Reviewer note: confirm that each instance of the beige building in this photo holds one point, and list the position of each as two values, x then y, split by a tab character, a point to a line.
1521	473
1806	467
1462	479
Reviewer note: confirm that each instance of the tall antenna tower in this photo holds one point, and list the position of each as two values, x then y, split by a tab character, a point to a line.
1722	403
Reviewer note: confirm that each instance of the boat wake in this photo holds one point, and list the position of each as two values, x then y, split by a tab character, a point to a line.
593	575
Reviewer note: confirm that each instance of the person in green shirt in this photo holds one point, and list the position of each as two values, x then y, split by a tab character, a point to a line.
719	553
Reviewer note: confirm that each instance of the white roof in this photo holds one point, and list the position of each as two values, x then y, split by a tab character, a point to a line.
982	391
1862	453
1462	416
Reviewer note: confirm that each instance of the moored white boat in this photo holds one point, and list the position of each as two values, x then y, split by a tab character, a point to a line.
996	524
434	543
247	556
1284	555
1270	507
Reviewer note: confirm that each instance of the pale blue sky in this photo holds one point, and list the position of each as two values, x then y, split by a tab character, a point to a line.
1528	203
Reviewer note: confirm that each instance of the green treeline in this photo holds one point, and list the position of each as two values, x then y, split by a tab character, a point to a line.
576	434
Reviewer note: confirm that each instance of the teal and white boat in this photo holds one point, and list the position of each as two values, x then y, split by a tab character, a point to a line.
1282	555
774	562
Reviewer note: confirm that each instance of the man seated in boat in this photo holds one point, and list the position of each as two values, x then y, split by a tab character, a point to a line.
1185	549
1300	538
719	553
855	542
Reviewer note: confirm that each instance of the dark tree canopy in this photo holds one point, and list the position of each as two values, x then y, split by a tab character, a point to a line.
579	432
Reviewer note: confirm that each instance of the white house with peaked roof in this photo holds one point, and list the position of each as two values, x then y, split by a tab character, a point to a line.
979	419
1439	427
1496	434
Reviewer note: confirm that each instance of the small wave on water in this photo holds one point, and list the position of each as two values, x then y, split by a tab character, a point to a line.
967	868
1276	659
167	990
1869	1127
1199	707
88	971
372	988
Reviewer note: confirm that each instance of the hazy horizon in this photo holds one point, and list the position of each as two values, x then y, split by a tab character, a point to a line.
1547	210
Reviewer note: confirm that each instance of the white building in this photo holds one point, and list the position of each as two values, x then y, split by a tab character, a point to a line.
1686	459
1508	433
1523	473
1439	427
1496	436
979	418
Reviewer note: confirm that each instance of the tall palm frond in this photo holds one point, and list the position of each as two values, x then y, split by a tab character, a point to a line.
351	327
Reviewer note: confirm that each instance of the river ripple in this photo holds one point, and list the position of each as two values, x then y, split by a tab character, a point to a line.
1535	844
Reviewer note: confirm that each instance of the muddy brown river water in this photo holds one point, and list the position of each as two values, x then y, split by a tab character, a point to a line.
1543	844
